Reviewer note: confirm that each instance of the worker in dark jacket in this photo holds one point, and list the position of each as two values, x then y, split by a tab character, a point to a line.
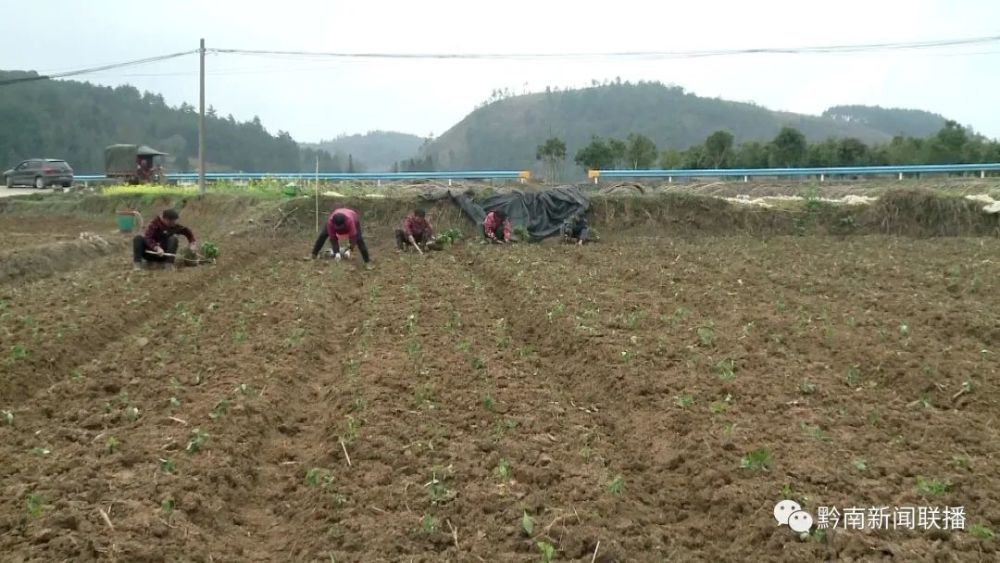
575	229
415	230
159	243
497	227
346	223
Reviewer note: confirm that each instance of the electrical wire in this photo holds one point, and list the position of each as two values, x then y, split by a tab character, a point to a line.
857	48
92	70
318	56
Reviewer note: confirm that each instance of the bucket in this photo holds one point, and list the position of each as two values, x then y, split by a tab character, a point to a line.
126	221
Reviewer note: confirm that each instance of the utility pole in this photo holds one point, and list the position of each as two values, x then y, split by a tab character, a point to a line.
201	121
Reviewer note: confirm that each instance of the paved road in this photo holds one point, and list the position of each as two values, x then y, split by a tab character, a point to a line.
4	192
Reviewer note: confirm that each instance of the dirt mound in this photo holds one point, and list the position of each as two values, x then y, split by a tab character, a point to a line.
624	190
37	261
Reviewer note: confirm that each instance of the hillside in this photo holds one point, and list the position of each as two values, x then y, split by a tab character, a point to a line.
76	120
378	150
505	133
896	121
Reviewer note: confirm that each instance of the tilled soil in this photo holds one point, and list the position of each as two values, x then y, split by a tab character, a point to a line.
273	409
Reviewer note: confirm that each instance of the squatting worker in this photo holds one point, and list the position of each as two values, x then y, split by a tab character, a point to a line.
342	222
497	227
575	229
160	240
415	229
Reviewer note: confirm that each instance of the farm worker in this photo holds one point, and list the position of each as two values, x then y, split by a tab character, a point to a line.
415	229
497	227
159	244
575	228
342	222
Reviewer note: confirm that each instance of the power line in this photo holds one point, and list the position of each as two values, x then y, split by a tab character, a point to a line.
823	49
91	70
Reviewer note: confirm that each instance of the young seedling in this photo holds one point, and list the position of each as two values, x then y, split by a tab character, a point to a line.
718	407
175	402
439	492
167	505
353	428
503	469
220	409
684	401
429	524
196	440
35	504
7	417
706	334
18	352
726	369
933	487
860	465
209	250
617	485
547	551
132	414
981	531
245	390
40	451
319	477
756	460
807	387
527	524
358	405
962	462
853	377
167	466
633	319
815	431
487	401
111	444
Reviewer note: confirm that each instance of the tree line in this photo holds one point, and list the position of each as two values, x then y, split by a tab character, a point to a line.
952	144
75	121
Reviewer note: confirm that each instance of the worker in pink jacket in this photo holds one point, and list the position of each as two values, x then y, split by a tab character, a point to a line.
343	222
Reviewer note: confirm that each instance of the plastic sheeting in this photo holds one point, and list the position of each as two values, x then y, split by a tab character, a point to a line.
542	213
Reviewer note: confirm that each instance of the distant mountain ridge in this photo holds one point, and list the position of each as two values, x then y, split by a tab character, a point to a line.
378	150
505	133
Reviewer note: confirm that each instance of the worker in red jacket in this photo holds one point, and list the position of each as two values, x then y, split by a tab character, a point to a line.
346	223
415	230
159	243
497	227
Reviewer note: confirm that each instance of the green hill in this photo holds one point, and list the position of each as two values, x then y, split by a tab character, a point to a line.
76	120
895	121
505	133
378	150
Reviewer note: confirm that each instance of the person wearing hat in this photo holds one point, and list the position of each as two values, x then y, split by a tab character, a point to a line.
159	243
497	227
415	230
343	222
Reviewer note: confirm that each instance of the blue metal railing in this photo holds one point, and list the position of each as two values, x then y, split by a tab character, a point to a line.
746	173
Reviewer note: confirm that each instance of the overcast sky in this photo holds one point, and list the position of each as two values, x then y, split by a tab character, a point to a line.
314	99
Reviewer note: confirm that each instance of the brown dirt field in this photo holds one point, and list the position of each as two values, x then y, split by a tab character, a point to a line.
206	412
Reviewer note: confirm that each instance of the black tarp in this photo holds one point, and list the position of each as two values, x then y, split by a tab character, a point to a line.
542	213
